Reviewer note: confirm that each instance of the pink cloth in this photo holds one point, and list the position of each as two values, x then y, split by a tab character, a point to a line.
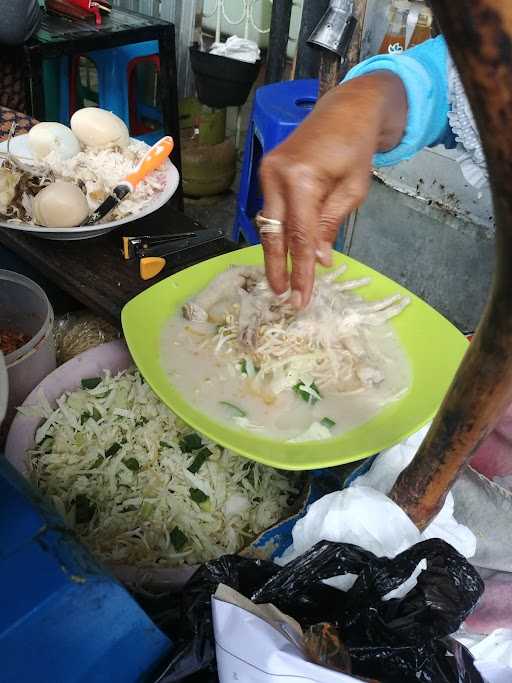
494	459
495	607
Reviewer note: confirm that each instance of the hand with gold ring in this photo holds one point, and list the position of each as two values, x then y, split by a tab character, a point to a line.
321	173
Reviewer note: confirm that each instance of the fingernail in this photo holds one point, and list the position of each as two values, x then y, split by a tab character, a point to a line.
325	253
285	296
324	257
295	299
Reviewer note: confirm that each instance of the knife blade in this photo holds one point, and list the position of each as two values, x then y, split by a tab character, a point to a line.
153	159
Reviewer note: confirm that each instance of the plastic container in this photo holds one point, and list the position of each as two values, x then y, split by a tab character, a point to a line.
3	388
24	307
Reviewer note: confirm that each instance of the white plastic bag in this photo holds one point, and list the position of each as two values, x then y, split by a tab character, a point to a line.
361	516
365	516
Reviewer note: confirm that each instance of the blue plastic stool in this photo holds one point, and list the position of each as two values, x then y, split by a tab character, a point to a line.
278	110
113	82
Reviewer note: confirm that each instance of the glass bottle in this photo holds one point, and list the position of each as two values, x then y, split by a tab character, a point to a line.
423	30
395	39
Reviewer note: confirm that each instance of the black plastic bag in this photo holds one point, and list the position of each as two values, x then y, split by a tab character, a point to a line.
187	618
405	639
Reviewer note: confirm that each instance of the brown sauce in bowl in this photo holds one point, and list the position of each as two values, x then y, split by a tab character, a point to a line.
12	340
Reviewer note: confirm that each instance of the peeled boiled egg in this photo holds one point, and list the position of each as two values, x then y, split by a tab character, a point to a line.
60	205
49	136
99	129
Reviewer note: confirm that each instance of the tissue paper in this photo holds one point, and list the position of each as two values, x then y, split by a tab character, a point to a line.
237	48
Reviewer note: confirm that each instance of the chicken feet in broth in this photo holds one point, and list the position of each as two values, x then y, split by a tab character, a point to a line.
221	294
244	355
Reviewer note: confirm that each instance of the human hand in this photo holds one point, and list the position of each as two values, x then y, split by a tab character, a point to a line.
321	173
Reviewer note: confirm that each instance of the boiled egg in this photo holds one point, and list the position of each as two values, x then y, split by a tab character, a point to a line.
99	129
49	136
60	205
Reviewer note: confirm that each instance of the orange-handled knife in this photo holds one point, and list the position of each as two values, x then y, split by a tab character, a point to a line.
152	160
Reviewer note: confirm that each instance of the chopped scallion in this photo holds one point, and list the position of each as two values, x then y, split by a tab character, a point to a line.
178	538
198	496
199	460
248	368
84	417
190	443
234	410
132	464
309	393
327	422
112	450
91	382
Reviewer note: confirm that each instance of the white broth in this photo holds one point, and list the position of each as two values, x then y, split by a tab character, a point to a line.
209	381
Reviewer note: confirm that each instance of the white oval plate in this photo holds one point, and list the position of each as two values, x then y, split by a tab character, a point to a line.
19	148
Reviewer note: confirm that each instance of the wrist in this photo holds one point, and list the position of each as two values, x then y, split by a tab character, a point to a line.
393	109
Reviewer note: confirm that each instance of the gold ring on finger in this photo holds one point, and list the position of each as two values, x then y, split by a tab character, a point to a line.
268	226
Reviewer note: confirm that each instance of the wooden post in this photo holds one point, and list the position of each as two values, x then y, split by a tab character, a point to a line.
479	34
329	72
278	40
354	53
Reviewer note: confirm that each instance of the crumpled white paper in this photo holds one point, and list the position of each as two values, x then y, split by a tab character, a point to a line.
237	48
365	516
492	653
252	650
494	673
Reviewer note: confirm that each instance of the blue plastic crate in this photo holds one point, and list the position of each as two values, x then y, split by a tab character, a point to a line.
63	617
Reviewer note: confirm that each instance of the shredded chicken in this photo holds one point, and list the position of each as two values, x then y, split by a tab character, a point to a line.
100	171
328	346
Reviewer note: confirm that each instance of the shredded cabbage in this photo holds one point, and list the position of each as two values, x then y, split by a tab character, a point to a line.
140	487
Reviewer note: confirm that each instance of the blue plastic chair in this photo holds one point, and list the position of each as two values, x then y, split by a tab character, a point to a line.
277	111
113	83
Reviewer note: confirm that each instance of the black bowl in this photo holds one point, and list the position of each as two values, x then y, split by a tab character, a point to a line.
222	81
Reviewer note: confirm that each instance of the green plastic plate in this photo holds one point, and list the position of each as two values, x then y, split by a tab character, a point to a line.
434	346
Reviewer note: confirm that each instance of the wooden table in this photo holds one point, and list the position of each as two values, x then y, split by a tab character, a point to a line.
93	271
60	36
